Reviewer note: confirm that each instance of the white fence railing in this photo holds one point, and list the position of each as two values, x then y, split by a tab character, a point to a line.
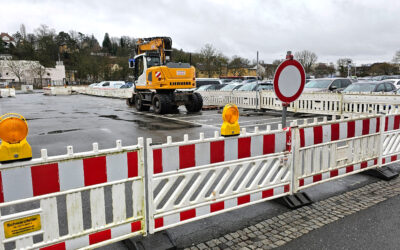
94	198
315	103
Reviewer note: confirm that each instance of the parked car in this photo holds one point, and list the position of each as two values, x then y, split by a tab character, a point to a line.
249	81
254	86
236	81
109	84
395	82
93	84
231	87
226	80
127	85
207	81
377	86
211	87
327	84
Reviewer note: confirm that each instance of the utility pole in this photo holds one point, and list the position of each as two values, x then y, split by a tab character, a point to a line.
257	67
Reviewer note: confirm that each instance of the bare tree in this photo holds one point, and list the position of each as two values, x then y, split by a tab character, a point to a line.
238	65
343	64
208	56
307	59
38	71
17	68
261	72
22	31
396	58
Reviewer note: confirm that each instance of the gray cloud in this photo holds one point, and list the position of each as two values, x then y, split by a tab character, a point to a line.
364	30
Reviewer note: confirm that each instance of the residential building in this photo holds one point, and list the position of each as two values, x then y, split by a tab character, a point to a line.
7	40
31	72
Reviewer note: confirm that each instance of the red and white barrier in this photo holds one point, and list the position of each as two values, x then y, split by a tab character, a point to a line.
240	171
100	195
197	213
96	239
172	157
51	177
331	150
334	131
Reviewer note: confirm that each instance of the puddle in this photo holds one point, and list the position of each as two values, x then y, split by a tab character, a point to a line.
155	124
60	131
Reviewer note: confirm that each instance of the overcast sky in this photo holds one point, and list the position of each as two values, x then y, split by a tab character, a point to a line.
365	30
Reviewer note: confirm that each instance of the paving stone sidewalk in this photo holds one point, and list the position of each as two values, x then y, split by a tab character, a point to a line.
279	230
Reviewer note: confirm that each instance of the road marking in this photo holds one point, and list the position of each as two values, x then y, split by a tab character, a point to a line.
172	119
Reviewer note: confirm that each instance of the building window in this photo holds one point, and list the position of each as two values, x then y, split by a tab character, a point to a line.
48	74
6	73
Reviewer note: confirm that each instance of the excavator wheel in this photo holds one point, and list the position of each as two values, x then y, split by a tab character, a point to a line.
139	103
129	102
161	103
195	104
199	101
173	109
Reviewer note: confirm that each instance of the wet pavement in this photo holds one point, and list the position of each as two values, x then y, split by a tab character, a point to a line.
56	122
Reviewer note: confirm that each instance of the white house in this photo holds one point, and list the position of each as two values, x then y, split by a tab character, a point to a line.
30	72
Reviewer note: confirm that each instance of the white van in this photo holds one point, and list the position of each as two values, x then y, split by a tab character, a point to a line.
109	85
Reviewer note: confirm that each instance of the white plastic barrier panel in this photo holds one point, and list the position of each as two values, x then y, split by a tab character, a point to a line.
391	139
326	103
115	93
73	201
331	150
57	91
191	180
10	92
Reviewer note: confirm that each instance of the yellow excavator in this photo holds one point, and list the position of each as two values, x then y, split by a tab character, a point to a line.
159	83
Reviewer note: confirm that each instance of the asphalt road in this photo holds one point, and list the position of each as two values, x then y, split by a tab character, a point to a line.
58	121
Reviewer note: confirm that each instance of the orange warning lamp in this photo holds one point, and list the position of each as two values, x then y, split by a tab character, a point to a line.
13	132
230	116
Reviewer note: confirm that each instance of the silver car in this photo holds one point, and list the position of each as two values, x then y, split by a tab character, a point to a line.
327	84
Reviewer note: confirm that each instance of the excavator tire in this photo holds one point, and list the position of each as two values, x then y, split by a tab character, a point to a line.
129	102
161	103
139	103
173	109
195	104
199	101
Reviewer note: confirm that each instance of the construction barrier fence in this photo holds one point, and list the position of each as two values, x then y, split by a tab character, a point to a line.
326	103
90	199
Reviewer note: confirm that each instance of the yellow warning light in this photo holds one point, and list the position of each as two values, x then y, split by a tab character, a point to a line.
230	116
13	132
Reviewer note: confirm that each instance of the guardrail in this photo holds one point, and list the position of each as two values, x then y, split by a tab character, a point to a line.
314	103
95	198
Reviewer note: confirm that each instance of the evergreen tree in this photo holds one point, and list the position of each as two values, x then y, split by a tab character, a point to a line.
107	45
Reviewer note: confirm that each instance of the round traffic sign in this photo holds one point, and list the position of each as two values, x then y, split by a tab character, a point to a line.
289	80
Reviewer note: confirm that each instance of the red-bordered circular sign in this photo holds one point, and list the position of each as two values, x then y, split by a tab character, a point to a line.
289	80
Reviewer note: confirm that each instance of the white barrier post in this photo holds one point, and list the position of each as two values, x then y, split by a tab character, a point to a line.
382	121
296	164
